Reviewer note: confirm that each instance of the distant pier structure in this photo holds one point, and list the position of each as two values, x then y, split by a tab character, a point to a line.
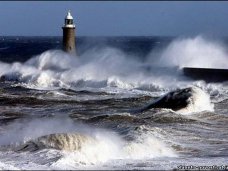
69	34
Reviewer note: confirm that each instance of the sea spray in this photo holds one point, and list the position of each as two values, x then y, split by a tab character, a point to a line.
185	100
105	68
24	130
198	102
111	67
147	146
194	52
111	147
167	134
53	60
81	144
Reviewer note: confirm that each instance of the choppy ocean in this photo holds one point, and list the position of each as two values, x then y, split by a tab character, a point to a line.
59	111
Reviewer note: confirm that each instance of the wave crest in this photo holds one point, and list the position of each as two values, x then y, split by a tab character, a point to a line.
59	141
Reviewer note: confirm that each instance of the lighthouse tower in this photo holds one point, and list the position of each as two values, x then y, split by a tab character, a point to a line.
69	34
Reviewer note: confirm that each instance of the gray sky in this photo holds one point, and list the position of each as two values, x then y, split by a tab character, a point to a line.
148	18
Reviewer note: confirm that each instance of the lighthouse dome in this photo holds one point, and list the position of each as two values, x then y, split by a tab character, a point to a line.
69	16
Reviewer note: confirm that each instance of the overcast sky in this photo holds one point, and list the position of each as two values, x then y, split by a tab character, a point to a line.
148	18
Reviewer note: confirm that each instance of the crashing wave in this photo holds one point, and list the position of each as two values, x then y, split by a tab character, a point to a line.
59	141
187	100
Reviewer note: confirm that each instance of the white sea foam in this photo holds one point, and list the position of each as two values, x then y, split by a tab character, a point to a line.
4	166
198	102
82	145
111	147
147	146
111	68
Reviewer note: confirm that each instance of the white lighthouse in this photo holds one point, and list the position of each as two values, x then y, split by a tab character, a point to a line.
69	34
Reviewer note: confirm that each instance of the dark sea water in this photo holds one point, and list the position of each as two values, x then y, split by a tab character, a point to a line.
62	111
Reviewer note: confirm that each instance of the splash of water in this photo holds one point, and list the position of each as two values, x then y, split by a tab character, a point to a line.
195	52
110	67
80	144
198	102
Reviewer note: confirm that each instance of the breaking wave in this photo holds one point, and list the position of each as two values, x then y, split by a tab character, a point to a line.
67	142
84	145
198	102
185	101
110	69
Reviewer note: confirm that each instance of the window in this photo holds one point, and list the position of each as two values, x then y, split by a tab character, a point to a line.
68	21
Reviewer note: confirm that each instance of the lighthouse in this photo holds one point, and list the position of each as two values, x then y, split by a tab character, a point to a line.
69	34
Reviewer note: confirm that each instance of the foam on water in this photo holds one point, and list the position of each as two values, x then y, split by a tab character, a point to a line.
4	166
110	148
185	101
198	102
60	143
81	145
110	67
